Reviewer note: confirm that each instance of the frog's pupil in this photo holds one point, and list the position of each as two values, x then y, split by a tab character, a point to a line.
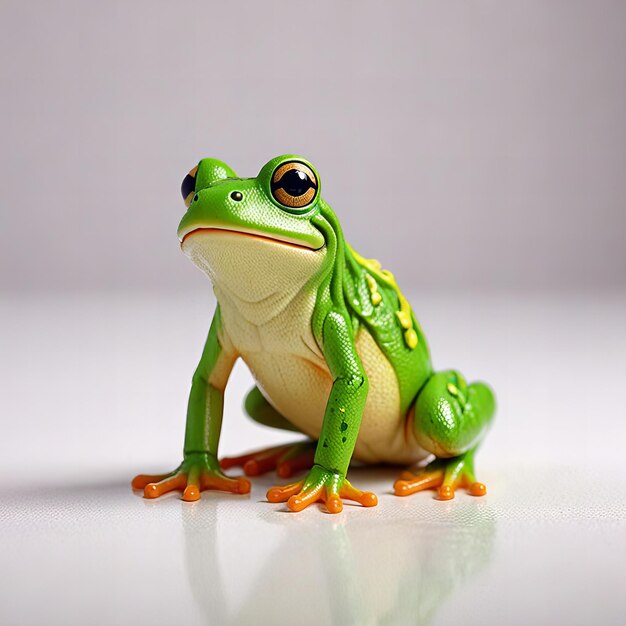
296	183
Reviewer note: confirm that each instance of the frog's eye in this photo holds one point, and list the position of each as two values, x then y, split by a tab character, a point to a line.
188	188
294	184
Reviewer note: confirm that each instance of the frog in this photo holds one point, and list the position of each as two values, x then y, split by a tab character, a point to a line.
333	345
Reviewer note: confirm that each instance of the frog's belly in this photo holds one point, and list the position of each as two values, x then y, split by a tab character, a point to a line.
299	388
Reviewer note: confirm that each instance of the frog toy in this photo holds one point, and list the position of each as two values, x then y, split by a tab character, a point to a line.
334	347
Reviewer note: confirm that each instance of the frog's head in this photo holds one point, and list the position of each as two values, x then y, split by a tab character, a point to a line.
240	230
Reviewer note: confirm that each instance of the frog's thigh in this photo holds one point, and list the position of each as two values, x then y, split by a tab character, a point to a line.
450	416
261	411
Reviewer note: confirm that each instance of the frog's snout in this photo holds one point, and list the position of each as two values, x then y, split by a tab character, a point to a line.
204	175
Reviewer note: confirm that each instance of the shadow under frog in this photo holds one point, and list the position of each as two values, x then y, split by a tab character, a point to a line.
380	570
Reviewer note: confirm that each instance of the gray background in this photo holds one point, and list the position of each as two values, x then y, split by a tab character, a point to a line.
465	144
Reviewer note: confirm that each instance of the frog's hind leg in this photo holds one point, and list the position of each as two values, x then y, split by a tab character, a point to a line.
450	419
287	459
445	475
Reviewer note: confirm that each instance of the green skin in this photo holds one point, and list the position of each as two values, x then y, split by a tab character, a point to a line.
450	417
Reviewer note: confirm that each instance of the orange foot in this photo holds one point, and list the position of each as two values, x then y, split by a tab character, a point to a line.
320	485
444	476
196	473
286	460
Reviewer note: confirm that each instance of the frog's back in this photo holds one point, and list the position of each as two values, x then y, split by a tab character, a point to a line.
376	303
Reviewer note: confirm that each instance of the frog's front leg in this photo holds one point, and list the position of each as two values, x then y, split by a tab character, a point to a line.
200	469
327	481
450	419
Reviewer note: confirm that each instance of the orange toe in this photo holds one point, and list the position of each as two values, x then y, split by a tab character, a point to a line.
401	488
140	481
364	498
369	499
284	470
154	490
261	463
303	499
228	462
191	493
421	482
256	463
282	494
296	504
252	468
244	485
477	489
292	464
445	492
334	504
151	491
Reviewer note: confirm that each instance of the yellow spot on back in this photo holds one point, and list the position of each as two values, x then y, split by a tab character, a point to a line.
410	336
385	276
375	296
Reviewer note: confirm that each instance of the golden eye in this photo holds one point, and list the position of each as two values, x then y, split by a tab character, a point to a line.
294	184
188	188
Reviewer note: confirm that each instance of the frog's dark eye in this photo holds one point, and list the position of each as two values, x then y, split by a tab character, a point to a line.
294	184
188	188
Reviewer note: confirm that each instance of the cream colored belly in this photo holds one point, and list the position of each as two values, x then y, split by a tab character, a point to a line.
299	390
266	311
293	376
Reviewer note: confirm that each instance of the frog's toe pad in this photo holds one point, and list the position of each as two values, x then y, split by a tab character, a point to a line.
282	494
143	480
191	493
445	492
477	489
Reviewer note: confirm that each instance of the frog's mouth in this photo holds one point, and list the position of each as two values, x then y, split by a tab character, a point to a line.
252	266
245	232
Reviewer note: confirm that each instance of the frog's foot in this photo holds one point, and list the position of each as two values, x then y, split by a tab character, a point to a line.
198	472
320	485
444	475
286	460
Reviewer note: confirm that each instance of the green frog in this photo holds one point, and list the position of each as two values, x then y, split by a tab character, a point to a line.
333	345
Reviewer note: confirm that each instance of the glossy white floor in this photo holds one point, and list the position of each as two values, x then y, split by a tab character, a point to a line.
94	390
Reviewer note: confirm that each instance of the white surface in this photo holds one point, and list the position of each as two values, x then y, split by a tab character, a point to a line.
94	391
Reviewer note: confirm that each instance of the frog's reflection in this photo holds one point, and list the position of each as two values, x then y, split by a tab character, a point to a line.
367	567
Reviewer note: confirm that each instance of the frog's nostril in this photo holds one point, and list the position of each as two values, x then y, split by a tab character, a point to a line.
195	198
237	196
